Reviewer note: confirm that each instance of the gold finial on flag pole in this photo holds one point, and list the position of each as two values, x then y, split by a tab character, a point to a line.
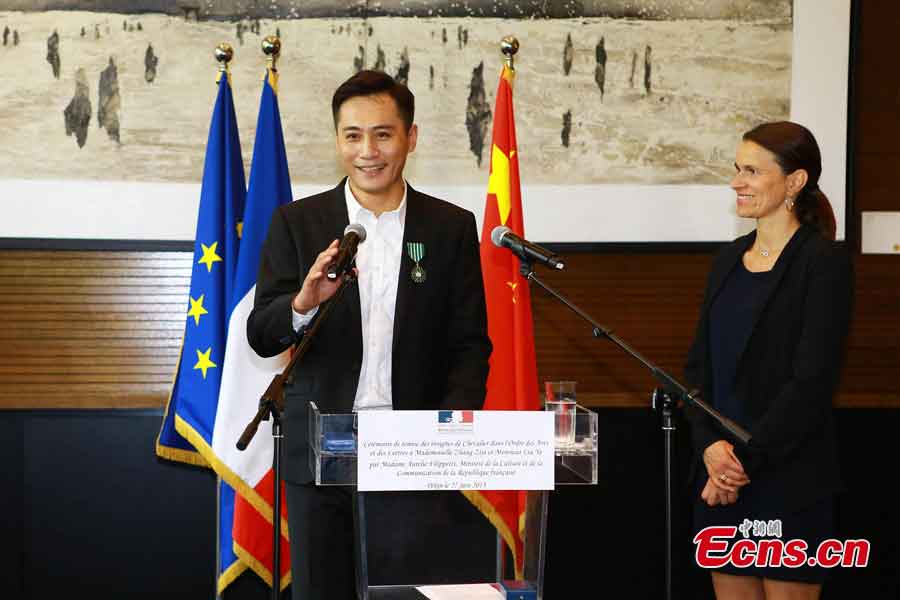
271	47
223	53
509	45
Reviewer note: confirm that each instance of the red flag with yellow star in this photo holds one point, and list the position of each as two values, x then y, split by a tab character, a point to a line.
512	382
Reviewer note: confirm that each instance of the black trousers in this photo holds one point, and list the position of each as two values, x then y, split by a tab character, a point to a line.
320	521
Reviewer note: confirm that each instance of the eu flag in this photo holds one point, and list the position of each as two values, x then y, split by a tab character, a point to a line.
190	414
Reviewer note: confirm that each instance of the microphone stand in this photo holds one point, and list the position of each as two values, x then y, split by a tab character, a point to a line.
663	401
272	404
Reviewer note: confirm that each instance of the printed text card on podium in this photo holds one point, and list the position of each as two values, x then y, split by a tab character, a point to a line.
455	450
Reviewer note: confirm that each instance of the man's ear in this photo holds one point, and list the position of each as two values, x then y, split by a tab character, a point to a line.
413	137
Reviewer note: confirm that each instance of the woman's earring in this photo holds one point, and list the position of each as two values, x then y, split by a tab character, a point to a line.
789	203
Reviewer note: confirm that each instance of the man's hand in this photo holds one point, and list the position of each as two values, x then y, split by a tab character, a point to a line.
317	288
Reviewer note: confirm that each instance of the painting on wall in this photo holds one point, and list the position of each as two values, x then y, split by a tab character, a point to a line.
607	93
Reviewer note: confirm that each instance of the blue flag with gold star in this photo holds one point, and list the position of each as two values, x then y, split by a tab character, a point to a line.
191	411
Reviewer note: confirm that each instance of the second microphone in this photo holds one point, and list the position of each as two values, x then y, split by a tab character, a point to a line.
503	237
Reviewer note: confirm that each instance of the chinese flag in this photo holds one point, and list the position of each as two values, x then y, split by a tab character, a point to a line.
512	382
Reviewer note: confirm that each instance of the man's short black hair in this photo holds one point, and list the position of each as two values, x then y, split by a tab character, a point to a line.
369	83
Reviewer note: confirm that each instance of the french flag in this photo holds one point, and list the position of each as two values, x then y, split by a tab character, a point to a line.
456	416
245	376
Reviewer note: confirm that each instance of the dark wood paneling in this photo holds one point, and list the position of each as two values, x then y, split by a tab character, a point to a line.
877	81
77	349
651	302
876	180
873	358
90	329
648	301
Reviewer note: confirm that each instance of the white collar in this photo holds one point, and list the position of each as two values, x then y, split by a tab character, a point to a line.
354	207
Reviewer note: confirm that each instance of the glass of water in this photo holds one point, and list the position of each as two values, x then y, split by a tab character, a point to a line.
559	397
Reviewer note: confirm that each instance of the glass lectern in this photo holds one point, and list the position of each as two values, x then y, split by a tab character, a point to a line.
333	454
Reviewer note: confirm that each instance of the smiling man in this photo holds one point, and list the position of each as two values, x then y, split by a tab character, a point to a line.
410	335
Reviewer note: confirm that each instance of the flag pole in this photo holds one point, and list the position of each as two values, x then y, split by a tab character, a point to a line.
509	46
271	47
218	538
223	53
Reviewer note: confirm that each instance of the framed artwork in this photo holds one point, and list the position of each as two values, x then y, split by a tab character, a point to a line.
628	112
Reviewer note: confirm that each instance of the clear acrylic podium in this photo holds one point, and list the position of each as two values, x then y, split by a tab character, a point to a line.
332	457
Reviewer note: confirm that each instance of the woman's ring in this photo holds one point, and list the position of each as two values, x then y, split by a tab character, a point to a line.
723	477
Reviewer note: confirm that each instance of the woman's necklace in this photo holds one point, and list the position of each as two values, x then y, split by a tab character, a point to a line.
768	252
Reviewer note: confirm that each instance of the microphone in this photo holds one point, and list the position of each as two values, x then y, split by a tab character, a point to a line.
354	235
503	237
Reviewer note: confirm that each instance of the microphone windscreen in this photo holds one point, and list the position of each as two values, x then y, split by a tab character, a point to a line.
498	233
358	229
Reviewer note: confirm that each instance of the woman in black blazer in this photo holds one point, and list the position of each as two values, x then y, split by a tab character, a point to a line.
767	354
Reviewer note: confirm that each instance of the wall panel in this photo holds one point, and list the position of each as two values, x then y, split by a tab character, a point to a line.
103	329
90	329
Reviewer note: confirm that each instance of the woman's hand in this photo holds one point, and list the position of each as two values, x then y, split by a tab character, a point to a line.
725	470
713	496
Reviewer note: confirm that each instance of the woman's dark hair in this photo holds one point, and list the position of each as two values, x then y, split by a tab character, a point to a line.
795	148
369	83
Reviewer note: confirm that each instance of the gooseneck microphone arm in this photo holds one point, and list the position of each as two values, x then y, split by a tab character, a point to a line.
663	401
272	404
669	383
273	397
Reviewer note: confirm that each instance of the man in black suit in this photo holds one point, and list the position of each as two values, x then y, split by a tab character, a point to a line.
411	334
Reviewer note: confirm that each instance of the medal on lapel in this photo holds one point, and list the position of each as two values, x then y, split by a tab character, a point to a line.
416	251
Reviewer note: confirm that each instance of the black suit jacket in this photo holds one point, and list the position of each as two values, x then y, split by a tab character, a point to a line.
789	369
440	349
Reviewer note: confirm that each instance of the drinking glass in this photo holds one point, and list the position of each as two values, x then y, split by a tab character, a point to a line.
559	396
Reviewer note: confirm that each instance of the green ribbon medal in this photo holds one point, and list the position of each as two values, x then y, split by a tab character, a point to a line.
416	251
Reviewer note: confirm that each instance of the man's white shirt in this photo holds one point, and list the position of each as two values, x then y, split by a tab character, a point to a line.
378	259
